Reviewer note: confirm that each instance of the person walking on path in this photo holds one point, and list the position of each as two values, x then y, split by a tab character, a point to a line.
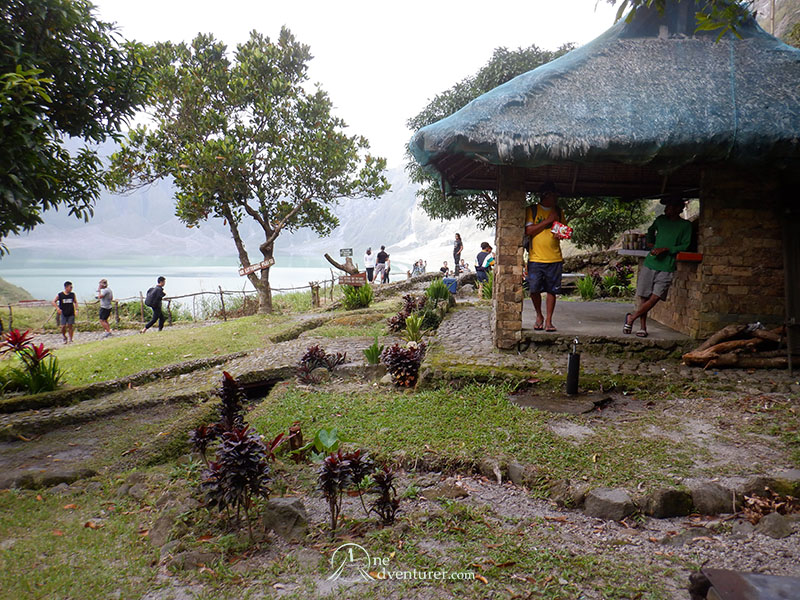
458	246
105	295
483	257
387	269
154	297
369	264
668	235
67	307
380	265
545	262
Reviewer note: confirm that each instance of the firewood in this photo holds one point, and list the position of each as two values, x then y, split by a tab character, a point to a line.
723	334
698	359
765	334
702	357
748	362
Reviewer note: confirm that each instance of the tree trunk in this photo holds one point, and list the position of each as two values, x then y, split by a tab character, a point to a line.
263	287
348	266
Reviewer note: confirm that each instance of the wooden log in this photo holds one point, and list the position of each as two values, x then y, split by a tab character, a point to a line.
348	266
701	358
765	334
723	334
748	362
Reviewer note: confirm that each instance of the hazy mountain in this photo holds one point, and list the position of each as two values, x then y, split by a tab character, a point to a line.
144	223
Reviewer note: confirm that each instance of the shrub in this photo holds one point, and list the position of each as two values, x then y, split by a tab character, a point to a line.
432	315
387	503
486	286
357	297
414	330
437	290
373	353
40	371
314	358
403	363
587	287
410	305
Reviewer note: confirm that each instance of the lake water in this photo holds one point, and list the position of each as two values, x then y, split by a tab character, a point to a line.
44	277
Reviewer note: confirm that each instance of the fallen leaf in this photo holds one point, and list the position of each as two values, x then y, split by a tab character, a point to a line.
205	538
506	564
557	519
594	457
377	575
144	532
654	540
482	579
70	506
39	497
58	532
93	525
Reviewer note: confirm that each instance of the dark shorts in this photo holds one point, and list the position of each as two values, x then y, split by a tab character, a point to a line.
105	313
70	320
544	277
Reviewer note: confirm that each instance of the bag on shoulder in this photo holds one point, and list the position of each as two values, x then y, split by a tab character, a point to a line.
151	298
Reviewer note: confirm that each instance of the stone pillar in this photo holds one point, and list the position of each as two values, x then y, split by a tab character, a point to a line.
741	278
507	294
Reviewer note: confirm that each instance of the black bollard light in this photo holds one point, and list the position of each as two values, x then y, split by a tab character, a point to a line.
573	369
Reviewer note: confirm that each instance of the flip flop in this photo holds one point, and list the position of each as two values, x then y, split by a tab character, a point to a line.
627	327
641	333
538	326
551	329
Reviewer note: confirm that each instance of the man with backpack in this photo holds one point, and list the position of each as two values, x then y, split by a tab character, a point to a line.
153	300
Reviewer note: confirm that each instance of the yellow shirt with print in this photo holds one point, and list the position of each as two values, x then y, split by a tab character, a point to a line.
545	247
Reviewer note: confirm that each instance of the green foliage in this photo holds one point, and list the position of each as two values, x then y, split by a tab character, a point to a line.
487	286
357	297
39	372
713	15
503	66
597	222
63	74
414	330
373	352
793	37
325	442
587	288
244	136
438	290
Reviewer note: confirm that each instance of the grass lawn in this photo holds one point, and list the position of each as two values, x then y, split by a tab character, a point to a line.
117	357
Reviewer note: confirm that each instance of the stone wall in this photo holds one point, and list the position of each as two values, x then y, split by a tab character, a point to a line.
741	278
507	292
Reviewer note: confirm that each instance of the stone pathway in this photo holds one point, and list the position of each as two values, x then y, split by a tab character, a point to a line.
465	339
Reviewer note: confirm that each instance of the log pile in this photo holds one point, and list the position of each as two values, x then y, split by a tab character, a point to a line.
743	347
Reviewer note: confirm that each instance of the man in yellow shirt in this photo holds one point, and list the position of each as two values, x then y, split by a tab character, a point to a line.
545	263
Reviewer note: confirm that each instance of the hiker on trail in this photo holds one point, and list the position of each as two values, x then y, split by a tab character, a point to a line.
545	262
458	246
668	235
481	269
380	265
369	264
105	295
387	269
67	307
153	300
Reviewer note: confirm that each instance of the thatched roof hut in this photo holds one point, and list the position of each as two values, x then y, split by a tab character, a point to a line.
646	99
648	108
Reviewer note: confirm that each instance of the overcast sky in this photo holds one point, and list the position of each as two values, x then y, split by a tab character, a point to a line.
380	62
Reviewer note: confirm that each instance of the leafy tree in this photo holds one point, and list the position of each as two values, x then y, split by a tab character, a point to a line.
247	138
596	221
712	15
63	74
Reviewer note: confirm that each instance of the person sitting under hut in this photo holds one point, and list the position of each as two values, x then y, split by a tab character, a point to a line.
668	235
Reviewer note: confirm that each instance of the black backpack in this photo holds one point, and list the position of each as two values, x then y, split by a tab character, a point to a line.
152	297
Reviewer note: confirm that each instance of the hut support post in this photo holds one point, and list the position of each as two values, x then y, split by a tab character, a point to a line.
507	294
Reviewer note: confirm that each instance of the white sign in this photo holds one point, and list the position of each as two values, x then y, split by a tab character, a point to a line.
264	264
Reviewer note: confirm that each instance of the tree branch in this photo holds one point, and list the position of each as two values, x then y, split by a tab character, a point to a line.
277	229
244	259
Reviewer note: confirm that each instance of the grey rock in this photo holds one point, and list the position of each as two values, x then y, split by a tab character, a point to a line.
525	475
742	528
490	468
561	492
170	548
192	559
710	498
122	491
287	517
93	487
137	491
134	478
387	380
61	489
445	491
167	498
667	502
774	525
53	477
609	504
321	375
189	504
788	482
159	532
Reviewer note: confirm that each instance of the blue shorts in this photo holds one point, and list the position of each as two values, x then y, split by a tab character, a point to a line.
70	320
544	277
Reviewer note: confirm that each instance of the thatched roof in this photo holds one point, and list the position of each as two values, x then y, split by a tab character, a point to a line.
646	99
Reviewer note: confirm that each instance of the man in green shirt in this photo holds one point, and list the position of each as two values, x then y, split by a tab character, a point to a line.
668	235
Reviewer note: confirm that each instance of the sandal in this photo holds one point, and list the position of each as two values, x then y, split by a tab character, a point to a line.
627	327
551	329
538	326
642	333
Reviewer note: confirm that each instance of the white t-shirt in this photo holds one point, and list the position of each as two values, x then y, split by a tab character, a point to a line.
369	261
105	298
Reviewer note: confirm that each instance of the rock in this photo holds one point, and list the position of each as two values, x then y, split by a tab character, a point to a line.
7	544
609	504
93	487
561	492
490	468
122	491
710	498
170	548
138	491
321	375
134	478
159	532
445	491
167	498
790	481
387	380
188	505
742	528
61	489
287	517
192	559
667	502
774	525
53	477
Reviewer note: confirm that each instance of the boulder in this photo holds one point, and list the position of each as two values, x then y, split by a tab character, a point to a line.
742	528
445	491
192	559
667	502
710	498
525	475
159	532
53	477
287	517
491	469
609	504
775	525
137	491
